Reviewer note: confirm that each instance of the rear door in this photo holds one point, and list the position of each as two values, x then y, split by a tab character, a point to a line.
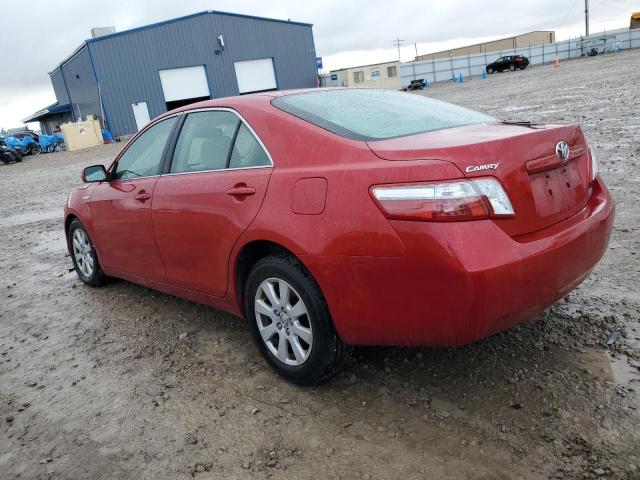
121	207
213	189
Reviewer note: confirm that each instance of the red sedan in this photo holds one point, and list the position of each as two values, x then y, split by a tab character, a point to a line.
333	218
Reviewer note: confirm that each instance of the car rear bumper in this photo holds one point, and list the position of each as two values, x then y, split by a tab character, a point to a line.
461	281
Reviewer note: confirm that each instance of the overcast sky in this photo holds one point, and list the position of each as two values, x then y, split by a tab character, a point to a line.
36	36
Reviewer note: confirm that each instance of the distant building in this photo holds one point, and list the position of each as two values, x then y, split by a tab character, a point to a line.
530	39
127	78
635	21
378	75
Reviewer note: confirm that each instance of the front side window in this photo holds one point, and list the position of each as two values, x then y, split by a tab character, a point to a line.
247	151
372	114
392	71
358	77
205	141
143	157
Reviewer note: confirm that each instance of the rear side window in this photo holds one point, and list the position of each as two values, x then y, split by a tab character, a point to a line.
247	152
368	114
205	141
142	158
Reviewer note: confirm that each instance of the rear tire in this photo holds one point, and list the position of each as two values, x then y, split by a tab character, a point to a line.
83	254
523	67
302	347
490	70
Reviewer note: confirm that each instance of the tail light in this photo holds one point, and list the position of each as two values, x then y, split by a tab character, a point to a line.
444	201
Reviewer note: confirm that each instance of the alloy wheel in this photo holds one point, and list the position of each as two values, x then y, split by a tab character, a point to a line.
283	321
82	252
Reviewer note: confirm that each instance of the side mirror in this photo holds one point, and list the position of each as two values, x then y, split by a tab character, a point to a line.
94	173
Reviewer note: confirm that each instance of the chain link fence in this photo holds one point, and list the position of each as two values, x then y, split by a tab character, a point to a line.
444	69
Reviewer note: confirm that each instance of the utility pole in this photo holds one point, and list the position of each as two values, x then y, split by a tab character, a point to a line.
586	17
416	47
397	42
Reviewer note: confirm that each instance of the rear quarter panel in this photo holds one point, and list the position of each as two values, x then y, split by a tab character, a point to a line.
350	225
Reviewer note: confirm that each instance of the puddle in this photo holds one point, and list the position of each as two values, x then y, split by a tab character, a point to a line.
604	366
51	242
31	217
622	372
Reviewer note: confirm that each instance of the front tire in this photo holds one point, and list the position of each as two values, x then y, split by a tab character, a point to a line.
83	254
512	68
490	70
291	323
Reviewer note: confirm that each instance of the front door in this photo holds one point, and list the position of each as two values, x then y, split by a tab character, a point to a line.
218	177
141	114
121	207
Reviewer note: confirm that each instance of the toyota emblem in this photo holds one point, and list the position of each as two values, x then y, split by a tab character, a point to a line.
562	150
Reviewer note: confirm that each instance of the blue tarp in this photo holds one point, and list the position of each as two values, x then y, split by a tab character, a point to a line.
16	143
47	141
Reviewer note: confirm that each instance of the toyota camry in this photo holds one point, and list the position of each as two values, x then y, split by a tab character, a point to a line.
329	218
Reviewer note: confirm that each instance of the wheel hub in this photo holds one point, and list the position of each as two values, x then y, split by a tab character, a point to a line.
283	321
82	252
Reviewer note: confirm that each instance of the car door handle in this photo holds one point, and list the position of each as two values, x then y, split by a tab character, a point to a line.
241	191
142	196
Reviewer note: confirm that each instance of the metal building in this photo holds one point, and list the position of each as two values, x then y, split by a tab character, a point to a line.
128	77
378	75
530	39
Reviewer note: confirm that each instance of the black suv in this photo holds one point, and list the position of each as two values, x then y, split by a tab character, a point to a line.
510	62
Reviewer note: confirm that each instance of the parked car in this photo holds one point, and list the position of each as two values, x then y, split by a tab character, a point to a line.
337	217
510	62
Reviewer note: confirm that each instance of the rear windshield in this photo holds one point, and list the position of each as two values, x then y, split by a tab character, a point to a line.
367	114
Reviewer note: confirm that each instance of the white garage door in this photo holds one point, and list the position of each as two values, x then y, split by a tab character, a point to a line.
255	75
183	83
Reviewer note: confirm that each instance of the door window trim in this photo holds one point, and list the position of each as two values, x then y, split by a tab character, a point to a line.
163	158
174	140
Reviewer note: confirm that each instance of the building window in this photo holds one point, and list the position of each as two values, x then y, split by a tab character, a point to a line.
392	71
358	77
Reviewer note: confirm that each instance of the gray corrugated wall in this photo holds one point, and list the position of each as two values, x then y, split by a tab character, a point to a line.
58	86
81	85
127	65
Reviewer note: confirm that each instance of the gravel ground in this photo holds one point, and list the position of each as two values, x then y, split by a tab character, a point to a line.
125	382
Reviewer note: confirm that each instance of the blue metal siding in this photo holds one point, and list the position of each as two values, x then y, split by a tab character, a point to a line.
59	87
127	64
81	85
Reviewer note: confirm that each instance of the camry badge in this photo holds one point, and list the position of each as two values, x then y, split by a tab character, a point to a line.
479	168
562	150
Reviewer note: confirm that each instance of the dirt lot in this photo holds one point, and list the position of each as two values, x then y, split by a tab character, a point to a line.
125	382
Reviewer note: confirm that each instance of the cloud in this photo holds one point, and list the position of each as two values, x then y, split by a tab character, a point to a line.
342	29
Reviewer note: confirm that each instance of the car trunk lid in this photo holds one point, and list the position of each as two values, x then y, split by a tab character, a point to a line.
544	189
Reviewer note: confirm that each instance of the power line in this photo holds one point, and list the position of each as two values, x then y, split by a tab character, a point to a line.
397	42
611	5
567	15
